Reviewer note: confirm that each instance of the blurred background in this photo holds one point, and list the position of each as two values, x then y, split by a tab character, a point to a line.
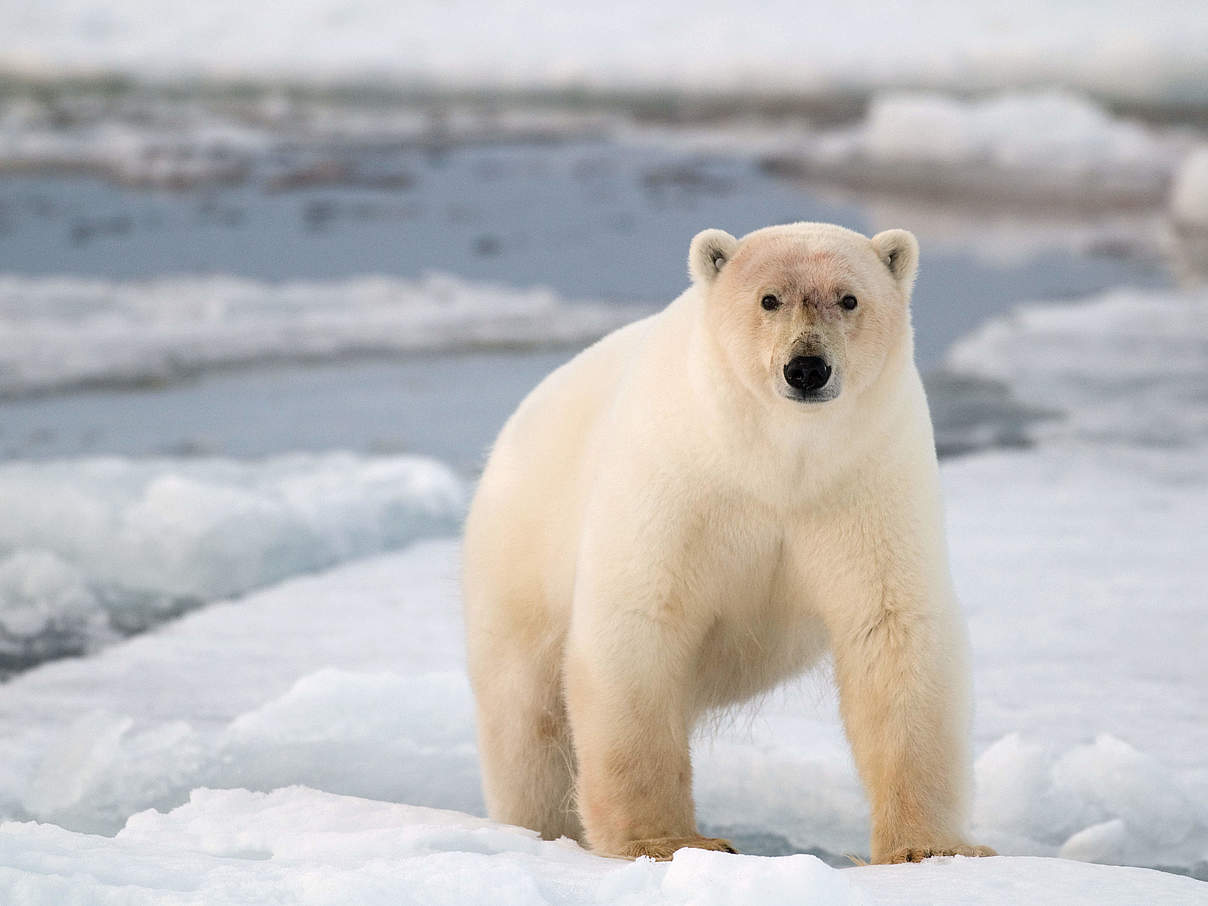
272	276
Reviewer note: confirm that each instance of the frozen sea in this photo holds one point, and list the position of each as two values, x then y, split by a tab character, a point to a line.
247	381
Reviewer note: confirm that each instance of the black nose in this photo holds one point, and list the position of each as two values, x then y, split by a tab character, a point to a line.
807	373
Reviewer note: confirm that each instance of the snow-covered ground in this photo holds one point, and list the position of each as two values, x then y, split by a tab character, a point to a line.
1154	52
61	331
299	846
1080	564
352	682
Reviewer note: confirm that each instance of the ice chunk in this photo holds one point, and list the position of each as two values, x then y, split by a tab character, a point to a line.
1055	130
99	766
1107	842
1043	148
76	758
1189	195
1017	796
1126	366
1100	802
1114	778
91	547
46	609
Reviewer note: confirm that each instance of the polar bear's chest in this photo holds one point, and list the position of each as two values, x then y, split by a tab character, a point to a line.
760	640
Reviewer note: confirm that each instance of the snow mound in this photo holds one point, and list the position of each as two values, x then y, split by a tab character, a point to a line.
1189	196
349	680
385	736
1050	148
299	846
90	548
1126	366
56	332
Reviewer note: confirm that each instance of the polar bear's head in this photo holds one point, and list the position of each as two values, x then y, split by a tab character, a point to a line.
806	311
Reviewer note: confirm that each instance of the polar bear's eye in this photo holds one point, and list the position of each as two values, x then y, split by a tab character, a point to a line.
848	302
769	302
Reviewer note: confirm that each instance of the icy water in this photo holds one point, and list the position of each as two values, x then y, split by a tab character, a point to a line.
445	406
590	219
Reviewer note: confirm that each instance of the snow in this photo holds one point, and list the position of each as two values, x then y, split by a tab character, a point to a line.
1189	196
57	332
1157	52
299	846
91	548
1010	130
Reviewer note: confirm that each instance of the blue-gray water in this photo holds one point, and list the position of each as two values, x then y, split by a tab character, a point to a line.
591	219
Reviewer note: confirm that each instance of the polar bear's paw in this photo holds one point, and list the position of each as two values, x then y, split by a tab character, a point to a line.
661	849
919	853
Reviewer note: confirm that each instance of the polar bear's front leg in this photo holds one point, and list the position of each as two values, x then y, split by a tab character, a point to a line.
631	727
904	697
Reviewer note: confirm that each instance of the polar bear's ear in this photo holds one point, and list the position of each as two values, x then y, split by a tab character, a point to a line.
900	252
708	254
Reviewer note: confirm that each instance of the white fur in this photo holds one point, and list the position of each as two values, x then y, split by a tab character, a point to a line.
660	531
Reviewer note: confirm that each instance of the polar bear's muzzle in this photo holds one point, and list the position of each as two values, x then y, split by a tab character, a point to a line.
811	379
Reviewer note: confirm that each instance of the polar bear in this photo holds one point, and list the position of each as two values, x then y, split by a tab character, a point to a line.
699	506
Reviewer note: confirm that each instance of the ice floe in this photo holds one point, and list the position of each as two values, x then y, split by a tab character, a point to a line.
58	332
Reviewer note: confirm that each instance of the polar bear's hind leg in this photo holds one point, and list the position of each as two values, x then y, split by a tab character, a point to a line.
525	748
